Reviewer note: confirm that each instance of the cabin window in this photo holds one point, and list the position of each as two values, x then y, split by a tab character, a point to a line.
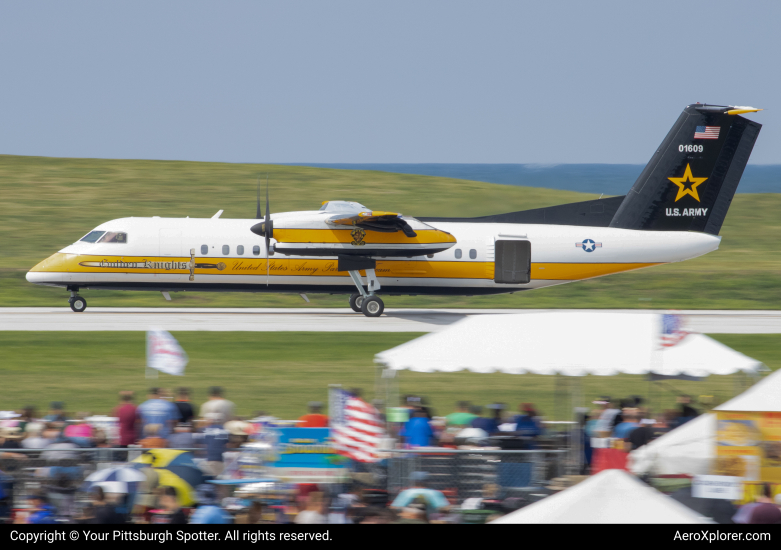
240	250
473	254
458	253
204	249
226	249
256	250
92	236
113	237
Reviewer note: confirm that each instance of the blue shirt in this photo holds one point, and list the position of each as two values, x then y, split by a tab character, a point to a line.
488	425
158	411
216	439
623	430
418	432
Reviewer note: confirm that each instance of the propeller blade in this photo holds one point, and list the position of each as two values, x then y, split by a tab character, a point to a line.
259	213
267	231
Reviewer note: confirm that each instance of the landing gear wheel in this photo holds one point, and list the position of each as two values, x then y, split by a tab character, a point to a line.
78	304
356	300
372	306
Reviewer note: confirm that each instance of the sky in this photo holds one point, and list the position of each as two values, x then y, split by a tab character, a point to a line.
378	82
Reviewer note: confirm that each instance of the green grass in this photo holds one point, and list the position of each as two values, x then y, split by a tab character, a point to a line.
280	372
49	203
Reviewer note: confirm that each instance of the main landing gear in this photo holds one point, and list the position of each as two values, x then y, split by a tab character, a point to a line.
366	302
78	304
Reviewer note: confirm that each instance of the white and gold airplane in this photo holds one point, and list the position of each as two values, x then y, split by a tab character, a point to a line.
673	212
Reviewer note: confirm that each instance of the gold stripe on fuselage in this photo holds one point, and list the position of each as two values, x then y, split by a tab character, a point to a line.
402	269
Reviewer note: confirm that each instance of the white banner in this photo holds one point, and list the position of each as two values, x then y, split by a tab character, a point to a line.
724	487
164	353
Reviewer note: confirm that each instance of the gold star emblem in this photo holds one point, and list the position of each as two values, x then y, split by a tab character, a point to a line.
687	185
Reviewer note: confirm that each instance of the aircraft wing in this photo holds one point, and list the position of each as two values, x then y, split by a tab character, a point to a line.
376	220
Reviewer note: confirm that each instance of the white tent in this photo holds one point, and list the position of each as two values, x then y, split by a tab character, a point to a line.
689	449
764	396
611	496
570	343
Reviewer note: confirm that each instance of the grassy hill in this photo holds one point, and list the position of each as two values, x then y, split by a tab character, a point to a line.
49	202
280	372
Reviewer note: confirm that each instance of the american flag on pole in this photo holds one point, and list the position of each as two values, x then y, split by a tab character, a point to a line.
706	132
672	330
356	426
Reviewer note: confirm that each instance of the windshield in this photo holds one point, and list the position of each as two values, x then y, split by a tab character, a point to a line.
92	236
113	237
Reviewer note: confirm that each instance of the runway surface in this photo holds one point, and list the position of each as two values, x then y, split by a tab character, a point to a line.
326	320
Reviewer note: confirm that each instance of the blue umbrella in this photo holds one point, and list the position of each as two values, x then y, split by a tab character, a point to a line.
120	479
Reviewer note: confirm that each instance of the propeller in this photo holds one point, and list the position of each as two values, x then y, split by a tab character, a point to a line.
265	228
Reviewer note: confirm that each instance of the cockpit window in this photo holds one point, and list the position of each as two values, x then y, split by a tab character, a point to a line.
113	237
92	236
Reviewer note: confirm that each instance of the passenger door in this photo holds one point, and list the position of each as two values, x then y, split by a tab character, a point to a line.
512	262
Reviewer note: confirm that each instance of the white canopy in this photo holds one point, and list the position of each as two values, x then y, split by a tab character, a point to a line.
611	496
570	343
764	396
689	449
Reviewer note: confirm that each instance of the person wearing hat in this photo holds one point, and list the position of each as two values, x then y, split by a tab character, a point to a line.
208	511
215	438
315	419
11	438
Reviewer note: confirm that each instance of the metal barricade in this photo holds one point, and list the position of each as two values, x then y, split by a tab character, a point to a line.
462	474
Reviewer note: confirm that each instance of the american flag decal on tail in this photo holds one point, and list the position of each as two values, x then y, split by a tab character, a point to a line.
706	132
356	426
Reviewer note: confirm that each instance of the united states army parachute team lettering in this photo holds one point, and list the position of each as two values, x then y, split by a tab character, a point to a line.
673	212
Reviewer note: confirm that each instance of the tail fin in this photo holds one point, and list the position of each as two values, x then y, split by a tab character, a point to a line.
689	183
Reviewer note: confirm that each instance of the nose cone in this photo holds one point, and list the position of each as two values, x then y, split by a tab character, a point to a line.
53	269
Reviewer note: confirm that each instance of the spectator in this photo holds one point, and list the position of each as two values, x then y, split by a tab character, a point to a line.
486	423
217	404
462	416
158	411
103	512
216	439
127	416
765	511
10	438
56	412
417	431
527	423
152	439
40	512
182	438
631	422
172	512
81	431
313	513
315	418
28	415
607	417
34	440
686	411
208	511
185	407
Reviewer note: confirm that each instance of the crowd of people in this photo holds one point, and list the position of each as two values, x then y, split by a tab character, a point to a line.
170	420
